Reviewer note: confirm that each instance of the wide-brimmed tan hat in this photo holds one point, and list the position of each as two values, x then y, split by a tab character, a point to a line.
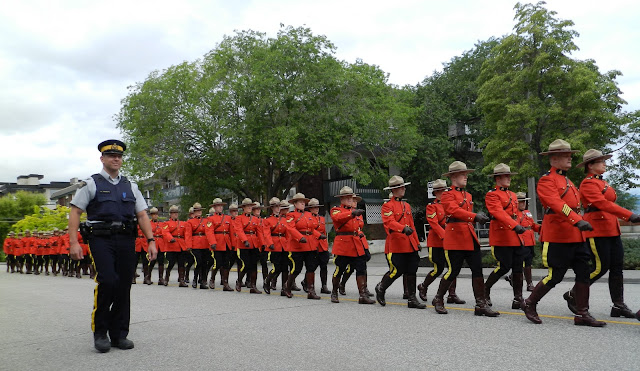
217	201
345	191
357	198
501	169
246	202
256	205
298	197
313	203
559	146
458	167
522	196
274	201
439	185
212	211
191	210
11	233
174	209
284	204
593	155
396	182
197	206
153	210
233	206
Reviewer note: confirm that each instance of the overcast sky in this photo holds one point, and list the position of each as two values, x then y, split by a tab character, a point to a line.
66	65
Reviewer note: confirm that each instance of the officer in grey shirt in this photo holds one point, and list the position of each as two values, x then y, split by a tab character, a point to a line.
112	204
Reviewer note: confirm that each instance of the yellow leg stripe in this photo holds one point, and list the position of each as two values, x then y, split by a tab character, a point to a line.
493	253
446	256
335	272
348	268
435	270
392	269
545	252
293	263
195	261
242	261
95	306
598	268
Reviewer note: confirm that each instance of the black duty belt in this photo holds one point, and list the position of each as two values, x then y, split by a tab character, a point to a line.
223	232
178	236
278	234
307	233
454	220
157	236
250	232
591	209
347	233
198	234
549	211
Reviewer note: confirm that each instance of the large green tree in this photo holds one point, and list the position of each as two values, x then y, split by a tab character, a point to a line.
258	113
532	92
15	206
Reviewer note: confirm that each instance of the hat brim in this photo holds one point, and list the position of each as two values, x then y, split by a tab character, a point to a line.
459	172
310	206
603	157
558	151
439	189
396	186
496	174
346	195
294	200
524	199
219	203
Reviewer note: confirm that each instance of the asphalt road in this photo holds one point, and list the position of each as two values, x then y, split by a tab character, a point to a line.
45	325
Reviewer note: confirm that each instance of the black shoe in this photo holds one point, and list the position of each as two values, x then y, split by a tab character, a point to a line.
101	343
123	343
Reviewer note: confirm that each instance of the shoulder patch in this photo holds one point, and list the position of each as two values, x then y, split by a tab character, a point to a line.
289	220
165	226
431	216
336	211
209	224
389	213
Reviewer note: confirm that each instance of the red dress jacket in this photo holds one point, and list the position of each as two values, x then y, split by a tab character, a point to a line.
174	230
156	227
64	239
437	220
280	232
560	200
141	241
18	247
307	226
502	205
459	232
348	241
525	219
600	209
249	228
195	236
323	245
396	214
7	246
218	230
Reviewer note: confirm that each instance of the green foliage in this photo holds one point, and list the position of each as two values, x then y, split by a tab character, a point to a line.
255	114
532	92
14	207
44	220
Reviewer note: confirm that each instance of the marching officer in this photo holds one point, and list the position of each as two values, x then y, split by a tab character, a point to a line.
18	252
156	226
112	203
264	236
173	233
348	247
198	245
141	243
563	243
435	240
402	242
304	249
505	234
7	247
460	240
525	219
219	229
323	246
249	231
601	211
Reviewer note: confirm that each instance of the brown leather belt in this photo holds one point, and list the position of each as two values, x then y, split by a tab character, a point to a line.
454	220
591	209
278	234
159	236
250	232
223	232
178	236
307	233
198	234
347	233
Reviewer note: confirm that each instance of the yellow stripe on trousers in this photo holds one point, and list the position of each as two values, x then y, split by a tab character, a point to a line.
293	263
215	262
493	253
435	270
448	274
393	271
242	268
95	294
598	268
545	261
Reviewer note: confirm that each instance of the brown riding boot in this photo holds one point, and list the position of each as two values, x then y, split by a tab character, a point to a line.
166	278
366	285
343	282
212	280
266	284
291	279
362	284
335	284
323	281
569	296
412	301
453	298
438	300
181	281
530	303
405	295
80	276
274	281
253	289
583	318
616	290
160	274
422	288
482	308
491	280
516	280
381	288
239	281
224	276
147	277
528	278
310	278
284	277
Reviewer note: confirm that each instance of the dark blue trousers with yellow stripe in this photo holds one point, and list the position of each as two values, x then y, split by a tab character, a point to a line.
115	260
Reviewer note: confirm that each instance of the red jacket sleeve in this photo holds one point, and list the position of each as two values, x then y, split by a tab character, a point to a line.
548	193
592	193
432	219
494	206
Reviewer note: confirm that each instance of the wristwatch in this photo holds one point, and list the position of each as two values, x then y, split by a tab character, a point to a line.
151	239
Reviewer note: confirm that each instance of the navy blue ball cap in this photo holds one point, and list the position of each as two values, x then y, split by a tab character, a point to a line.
112	146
